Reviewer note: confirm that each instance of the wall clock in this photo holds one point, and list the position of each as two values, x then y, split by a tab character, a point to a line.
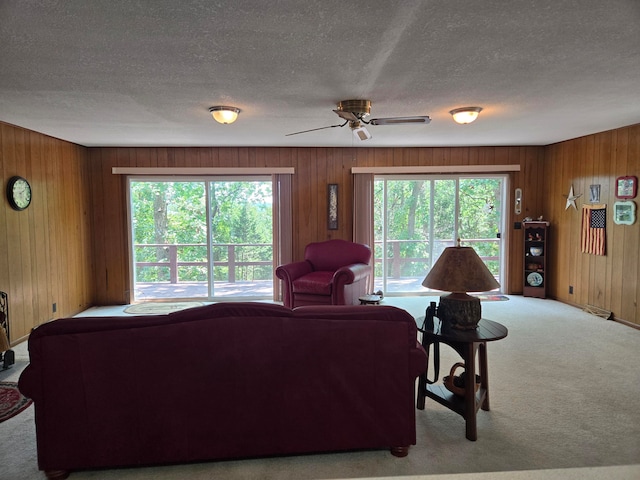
18	193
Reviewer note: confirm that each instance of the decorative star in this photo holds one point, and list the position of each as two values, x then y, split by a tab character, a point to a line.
571	199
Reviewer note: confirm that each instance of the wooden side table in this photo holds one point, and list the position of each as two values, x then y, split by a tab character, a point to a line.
466	343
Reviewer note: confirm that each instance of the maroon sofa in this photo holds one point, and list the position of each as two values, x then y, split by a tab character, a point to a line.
333	272
228	380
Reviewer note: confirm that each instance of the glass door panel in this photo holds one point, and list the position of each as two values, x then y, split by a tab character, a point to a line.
202	239
417	217
169	232
241	239
481	218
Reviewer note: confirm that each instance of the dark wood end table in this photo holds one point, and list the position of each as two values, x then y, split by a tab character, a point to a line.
466	343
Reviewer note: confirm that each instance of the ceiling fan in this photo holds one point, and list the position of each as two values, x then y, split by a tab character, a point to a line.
354	113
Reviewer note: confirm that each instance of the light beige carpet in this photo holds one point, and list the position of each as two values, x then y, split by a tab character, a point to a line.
564	391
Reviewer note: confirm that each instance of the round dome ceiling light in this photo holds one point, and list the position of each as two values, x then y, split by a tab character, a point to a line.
224	115
465	114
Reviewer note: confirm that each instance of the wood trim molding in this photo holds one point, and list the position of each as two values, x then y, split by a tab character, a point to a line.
438	169
202	170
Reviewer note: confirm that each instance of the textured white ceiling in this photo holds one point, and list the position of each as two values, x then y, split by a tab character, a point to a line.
142	73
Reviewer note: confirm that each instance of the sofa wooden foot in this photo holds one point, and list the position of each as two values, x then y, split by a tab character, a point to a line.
57	474
399	451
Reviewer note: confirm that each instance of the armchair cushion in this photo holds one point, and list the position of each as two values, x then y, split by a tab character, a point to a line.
318	283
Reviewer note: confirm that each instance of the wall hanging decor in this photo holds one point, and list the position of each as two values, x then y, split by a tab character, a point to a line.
571	199
626	187
332	203
624	213
594	222
594	193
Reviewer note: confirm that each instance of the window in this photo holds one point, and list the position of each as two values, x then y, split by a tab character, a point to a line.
207	238
417	216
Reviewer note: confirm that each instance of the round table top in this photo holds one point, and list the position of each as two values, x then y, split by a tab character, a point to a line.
370	298
487	331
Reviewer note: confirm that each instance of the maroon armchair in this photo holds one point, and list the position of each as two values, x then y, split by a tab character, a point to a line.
334	272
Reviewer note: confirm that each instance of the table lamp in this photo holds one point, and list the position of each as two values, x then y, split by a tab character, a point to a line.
460	270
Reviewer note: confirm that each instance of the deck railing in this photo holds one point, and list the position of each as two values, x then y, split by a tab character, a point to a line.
396	261
173	261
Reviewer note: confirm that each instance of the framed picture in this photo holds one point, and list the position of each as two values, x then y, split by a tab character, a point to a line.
594	193
624	213
626	187
332	206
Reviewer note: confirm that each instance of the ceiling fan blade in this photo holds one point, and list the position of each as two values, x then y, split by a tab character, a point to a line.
314	129
399	120
349	116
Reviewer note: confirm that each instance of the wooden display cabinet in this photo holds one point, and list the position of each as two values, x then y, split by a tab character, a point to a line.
536	236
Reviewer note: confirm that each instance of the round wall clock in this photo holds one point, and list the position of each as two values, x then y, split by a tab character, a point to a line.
18	193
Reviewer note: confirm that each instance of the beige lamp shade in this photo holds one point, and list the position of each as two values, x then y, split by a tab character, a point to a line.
460	270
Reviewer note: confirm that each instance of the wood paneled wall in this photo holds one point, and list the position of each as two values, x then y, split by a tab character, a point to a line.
314	168
70	246
610	282
45	250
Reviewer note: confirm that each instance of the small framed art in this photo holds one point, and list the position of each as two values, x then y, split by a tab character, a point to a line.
624	213
626	187
332	206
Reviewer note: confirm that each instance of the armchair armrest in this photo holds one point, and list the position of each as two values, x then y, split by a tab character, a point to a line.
288	273
291	271
351	273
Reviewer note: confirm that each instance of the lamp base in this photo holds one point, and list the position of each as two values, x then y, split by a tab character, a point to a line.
460	311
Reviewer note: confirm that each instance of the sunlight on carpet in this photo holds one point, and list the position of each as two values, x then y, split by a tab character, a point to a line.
163	308
492	298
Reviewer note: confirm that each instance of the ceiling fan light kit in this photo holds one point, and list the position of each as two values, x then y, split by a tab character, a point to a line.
361	133
465	115
355	112
224	115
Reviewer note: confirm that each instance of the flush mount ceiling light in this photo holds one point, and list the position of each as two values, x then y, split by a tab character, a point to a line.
465	114
224	115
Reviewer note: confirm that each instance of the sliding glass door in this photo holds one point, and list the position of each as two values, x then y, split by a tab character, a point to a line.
208	238
417	217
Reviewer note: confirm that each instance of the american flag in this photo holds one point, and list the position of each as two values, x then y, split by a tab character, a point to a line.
594	221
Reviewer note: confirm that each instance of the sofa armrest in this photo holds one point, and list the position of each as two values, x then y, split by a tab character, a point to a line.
28	383
417	360
351	273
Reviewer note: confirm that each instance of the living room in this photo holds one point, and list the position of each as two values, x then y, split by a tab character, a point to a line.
79	208
69	250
